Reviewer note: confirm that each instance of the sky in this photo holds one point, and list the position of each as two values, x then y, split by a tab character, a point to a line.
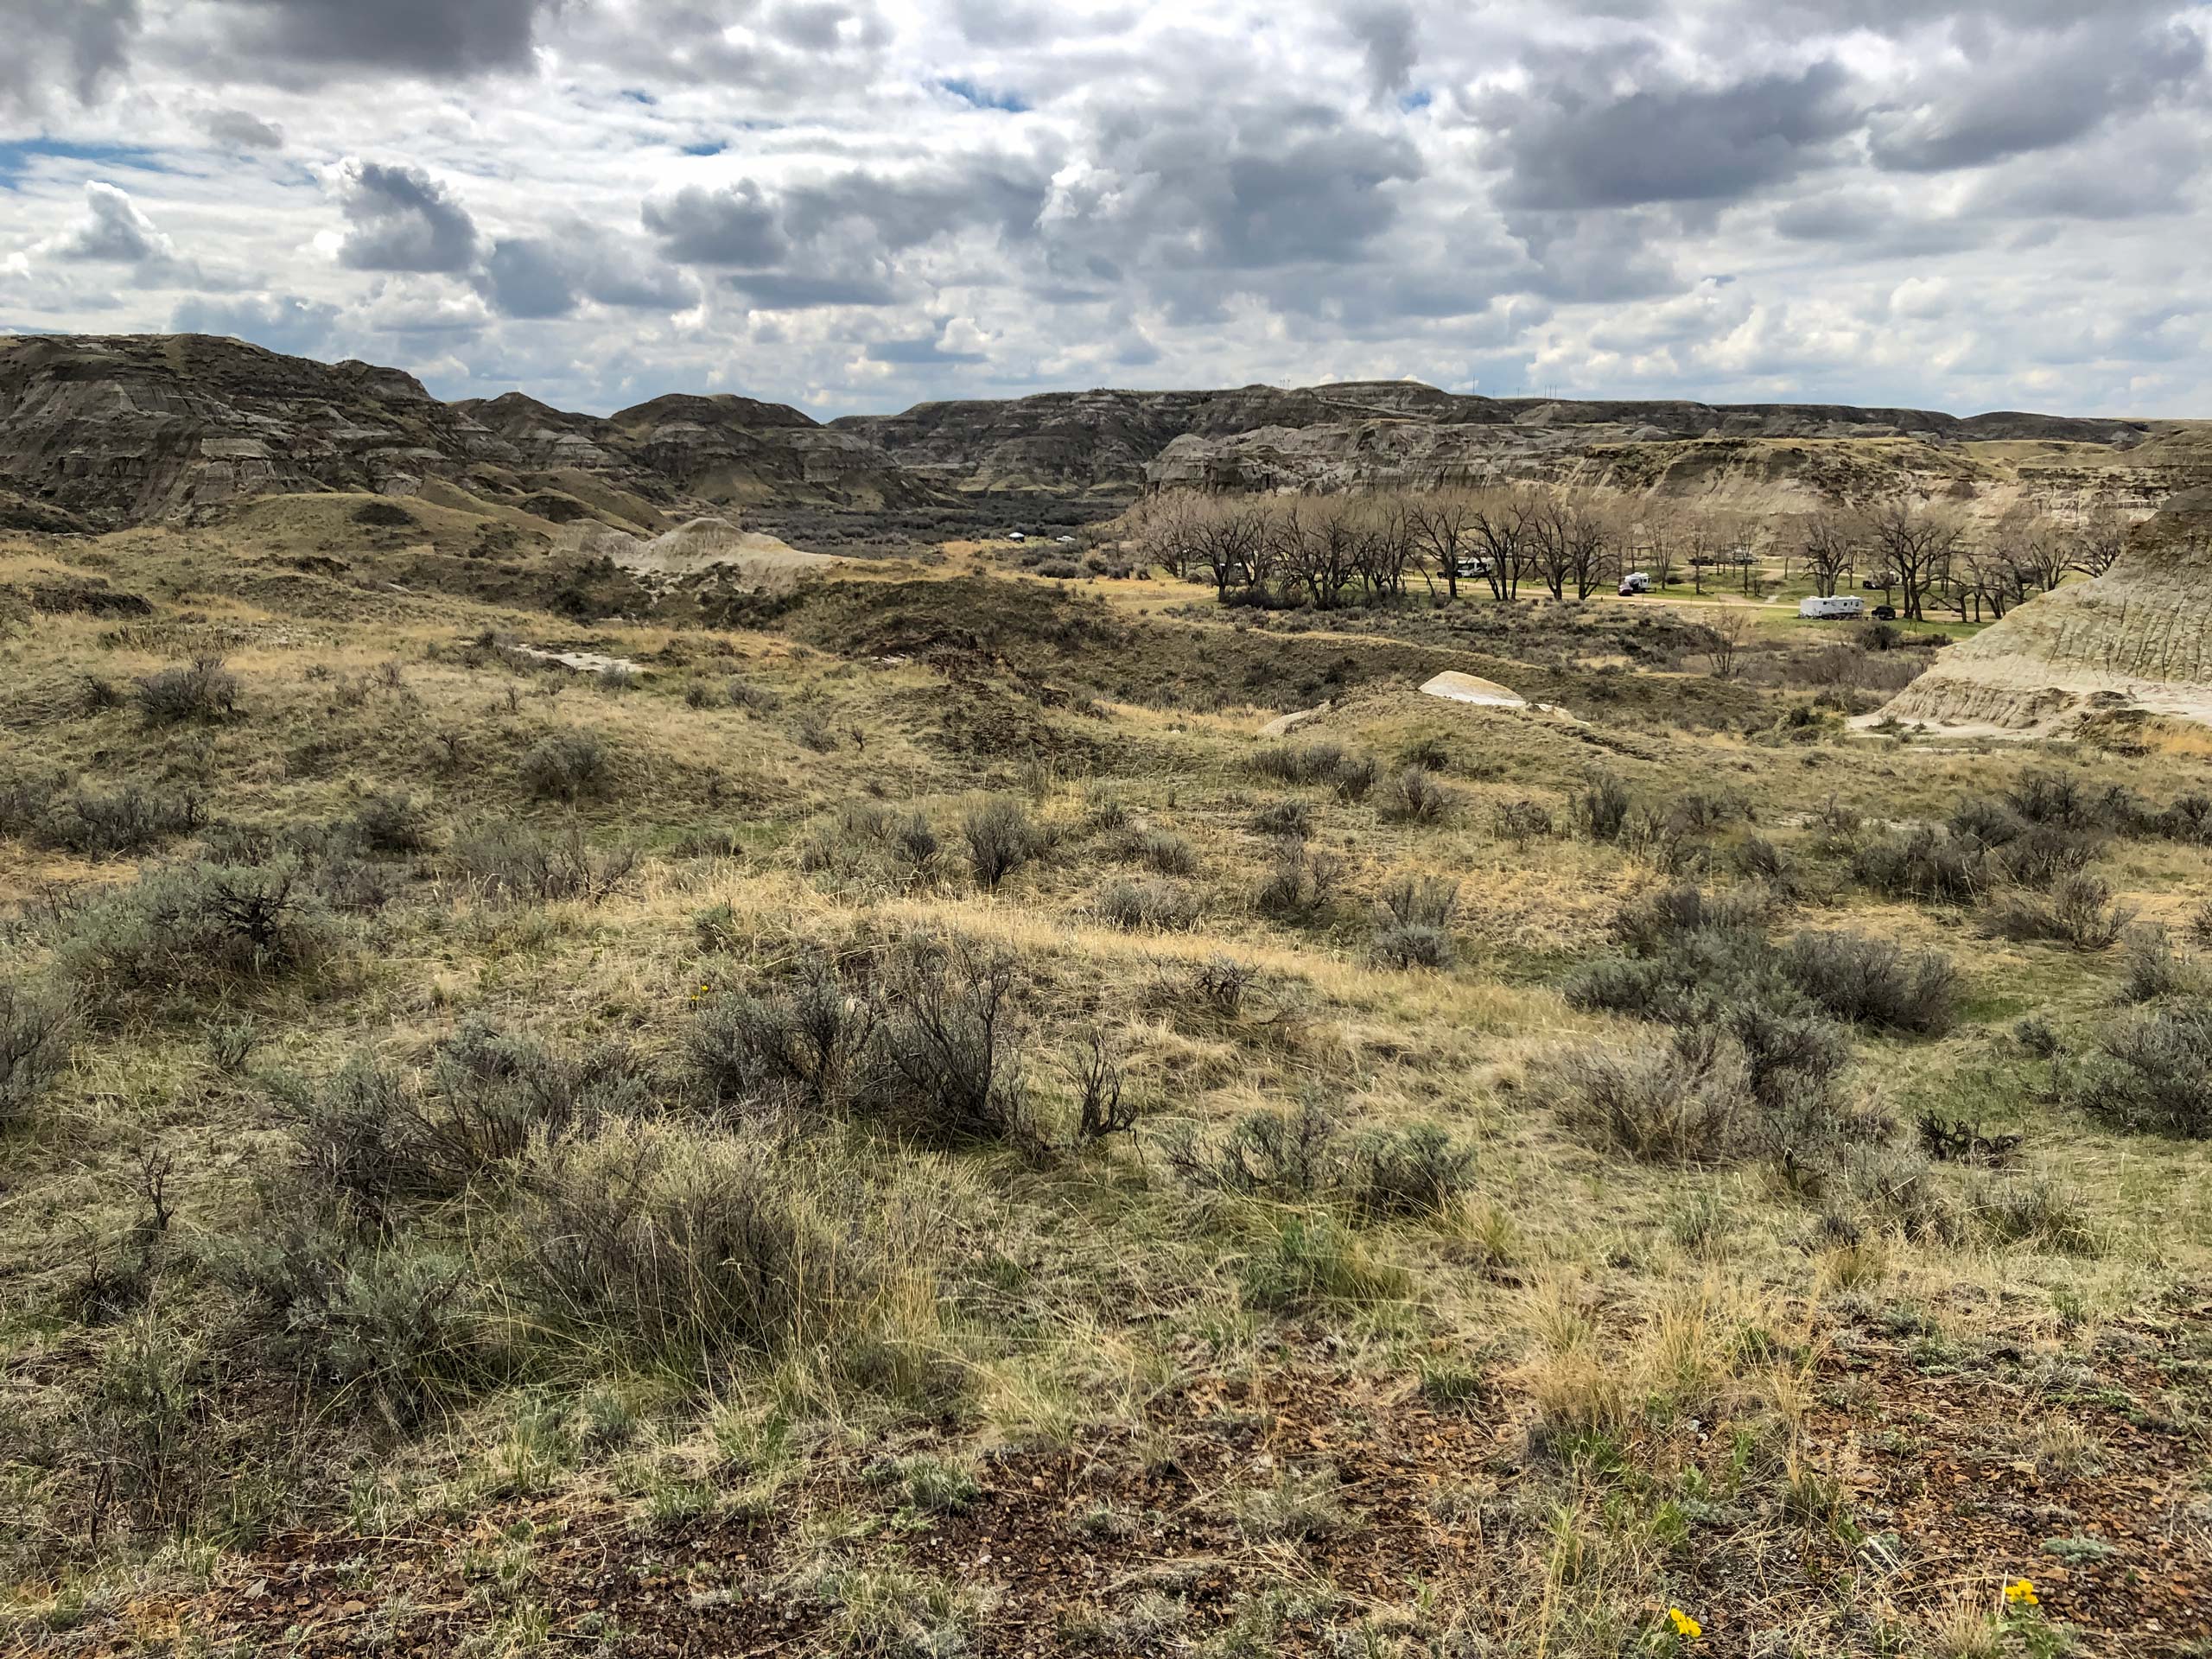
858	205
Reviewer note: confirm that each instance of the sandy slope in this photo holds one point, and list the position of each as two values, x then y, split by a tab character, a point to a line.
2141	633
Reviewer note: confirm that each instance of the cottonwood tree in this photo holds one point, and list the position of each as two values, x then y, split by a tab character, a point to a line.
1916	543
1502	524
1828	542
1166	530
2097	541
1230	542
2033	547
1569	540
1443	528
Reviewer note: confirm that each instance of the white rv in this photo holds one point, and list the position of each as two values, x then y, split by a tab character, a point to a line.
1636	582
1847	607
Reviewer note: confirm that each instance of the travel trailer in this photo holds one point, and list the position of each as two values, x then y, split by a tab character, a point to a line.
1847	607
1636	582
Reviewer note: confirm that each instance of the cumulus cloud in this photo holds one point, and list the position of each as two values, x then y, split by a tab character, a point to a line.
853	203
73	47
438	39
113	230
400	219
2006	100
238	130
1569	145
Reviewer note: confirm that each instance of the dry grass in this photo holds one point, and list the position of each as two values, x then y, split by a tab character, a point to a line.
1638	1336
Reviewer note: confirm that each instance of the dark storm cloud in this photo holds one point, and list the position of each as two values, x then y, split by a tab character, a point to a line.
798	291
553	274
1388	38
435	39
73	47
400	219
734	225
903	211
2048	93
1263	188
1566	146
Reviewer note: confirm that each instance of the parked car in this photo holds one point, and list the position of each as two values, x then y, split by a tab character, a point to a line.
1885	613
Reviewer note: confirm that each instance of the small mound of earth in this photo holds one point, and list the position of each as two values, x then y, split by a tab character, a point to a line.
1468	688
701	544
582	661
1454	687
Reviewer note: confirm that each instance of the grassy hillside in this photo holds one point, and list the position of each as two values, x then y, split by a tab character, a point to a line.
899	1124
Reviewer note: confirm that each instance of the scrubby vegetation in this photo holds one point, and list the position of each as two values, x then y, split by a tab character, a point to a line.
908	1127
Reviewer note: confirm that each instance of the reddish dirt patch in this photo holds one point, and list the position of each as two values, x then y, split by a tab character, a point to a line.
1926	1450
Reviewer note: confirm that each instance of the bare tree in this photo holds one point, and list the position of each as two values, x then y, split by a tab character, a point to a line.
2098	540
1501	527
1166	529
1444	530
1229	542
1730	631
1916	543
2031	546
1829	544
1571	541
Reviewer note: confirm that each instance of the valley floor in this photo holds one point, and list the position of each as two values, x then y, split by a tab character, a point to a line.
903	1125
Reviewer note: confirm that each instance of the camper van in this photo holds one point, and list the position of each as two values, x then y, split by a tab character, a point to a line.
1636	582
1845	607
1465	568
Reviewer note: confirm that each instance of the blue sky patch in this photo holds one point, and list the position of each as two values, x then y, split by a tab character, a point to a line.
983	98
18	155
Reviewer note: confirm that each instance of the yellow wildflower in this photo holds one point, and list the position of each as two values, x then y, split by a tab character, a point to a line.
2021	1592
1686	1627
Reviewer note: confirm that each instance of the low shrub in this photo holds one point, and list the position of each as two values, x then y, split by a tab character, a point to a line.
520	860
1415	797
1291	819
1925	865
570	765
130	819
191	925
806	1048
204	690
2152	971
945	1068
395	1332
373	1138
1305	1154
1600	808
1150	904
1521	821
1220	982
1163	851
692	1250
1001	839
387	823
1874	982
1415	927
2154	1073
1688	1102
34	1043
2079	911
1430	753
1297	886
